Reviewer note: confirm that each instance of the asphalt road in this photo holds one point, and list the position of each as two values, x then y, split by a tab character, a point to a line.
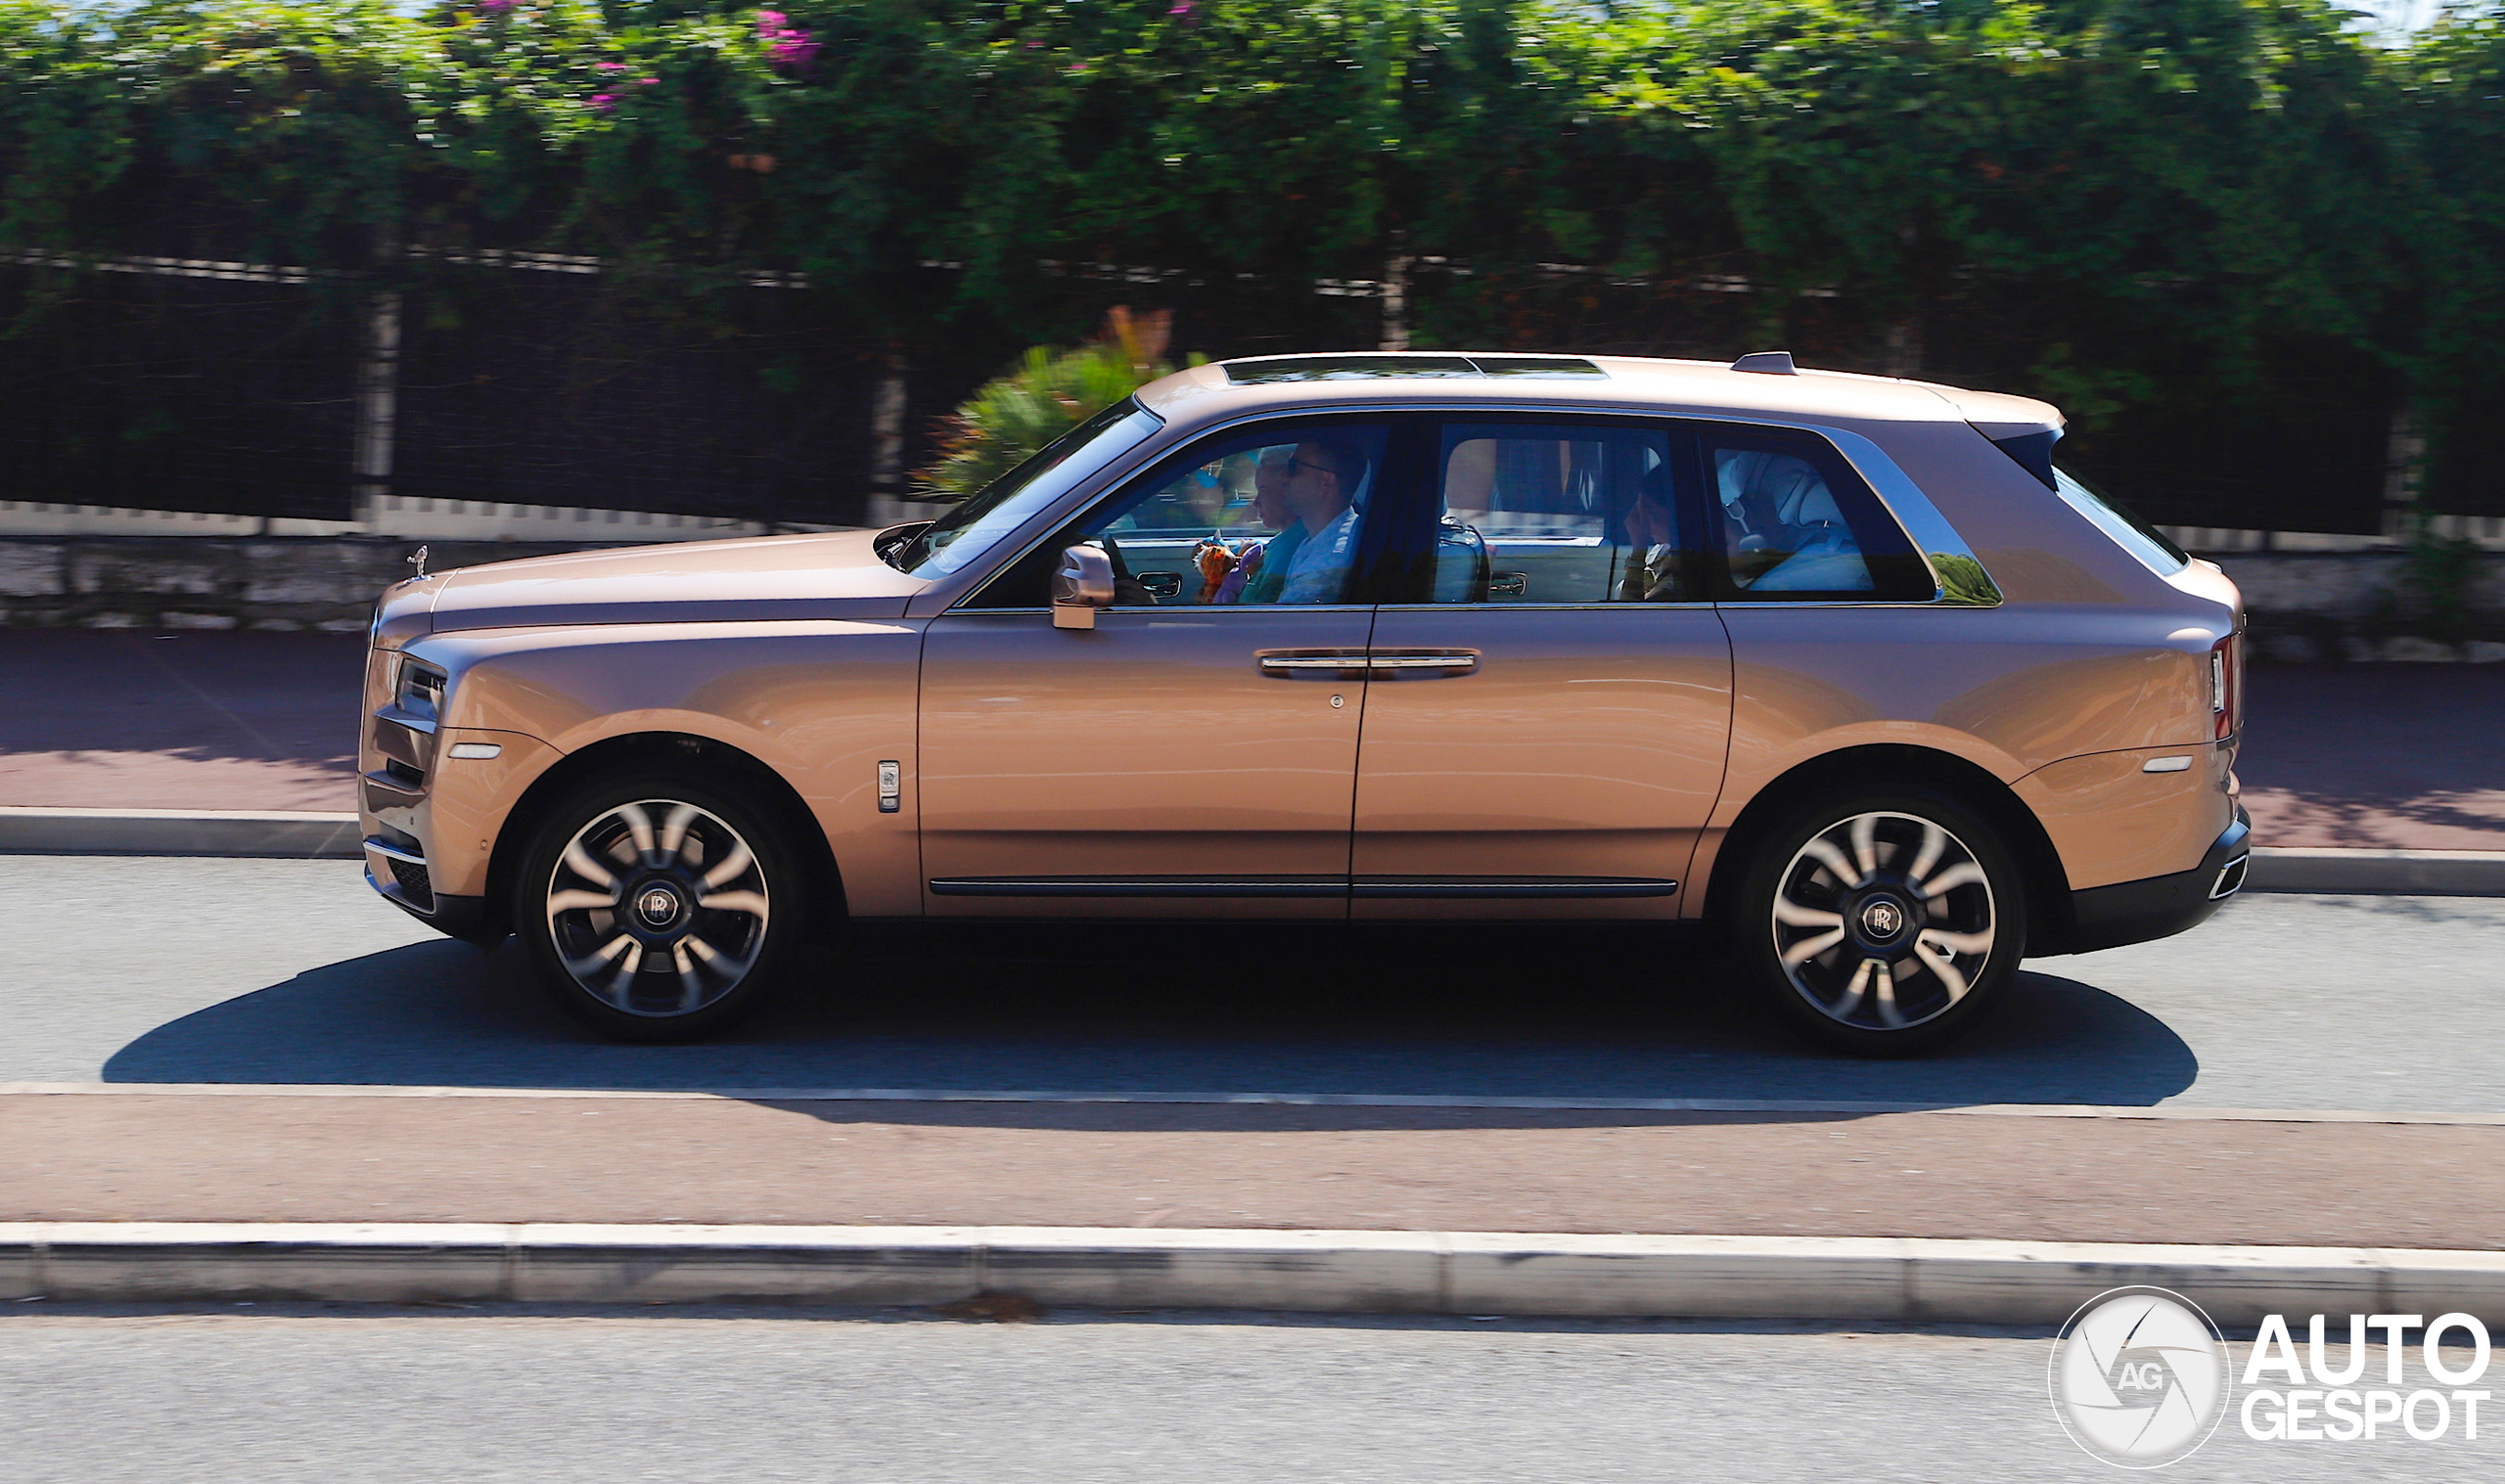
155	971
476	1397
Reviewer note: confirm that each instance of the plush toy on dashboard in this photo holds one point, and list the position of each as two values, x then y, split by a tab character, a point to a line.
1217	559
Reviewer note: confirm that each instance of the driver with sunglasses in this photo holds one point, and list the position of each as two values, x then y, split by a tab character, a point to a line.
1309	562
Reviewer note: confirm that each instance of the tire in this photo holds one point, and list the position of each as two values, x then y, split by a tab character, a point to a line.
1922	905
644	943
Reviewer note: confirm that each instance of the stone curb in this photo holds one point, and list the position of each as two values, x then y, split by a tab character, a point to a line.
33	830
1561	1274
2379	872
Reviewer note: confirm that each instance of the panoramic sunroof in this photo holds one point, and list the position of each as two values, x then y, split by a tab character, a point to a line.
1373	368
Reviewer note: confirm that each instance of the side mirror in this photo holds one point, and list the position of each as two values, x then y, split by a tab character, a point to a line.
1081	584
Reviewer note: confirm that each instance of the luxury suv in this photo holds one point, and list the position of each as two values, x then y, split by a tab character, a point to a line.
1846	666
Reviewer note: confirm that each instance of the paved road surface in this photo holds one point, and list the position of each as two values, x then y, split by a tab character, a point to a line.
209	971
1161	1398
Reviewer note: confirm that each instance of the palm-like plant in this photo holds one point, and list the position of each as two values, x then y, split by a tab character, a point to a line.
1049	393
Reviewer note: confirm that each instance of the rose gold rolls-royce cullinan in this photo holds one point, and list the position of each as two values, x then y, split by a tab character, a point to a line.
1844	666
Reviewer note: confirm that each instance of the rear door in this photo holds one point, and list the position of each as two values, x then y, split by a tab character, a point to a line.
1547	720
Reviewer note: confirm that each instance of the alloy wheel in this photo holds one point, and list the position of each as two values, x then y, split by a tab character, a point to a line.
657	907
1884	921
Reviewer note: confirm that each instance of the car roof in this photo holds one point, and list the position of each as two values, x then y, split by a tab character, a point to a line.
1224	390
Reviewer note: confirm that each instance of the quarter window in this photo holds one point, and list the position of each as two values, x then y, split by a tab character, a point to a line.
1796	522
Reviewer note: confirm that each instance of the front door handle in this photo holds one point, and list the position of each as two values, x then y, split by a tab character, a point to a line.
1312	664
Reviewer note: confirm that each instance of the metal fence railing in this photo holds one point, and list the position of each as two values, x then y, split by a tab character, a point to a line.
518	393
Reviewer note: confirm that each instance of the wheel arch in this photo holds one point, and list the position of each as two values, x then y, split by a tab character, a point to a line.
2047	882
679	751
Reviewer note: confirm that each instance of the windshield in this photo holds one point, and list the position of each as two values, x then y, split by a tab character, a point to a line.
2133	534
984	517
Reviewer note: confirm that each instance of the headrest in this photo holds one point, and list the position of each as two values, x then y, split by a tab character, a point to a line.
1813	505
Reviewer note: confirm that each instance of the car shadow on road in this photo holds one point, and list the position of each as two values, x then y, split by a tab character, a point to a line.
1241	1009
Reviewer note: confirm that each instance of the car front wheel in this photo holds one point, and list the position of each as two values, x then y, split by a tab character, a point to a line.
1883	925
657	909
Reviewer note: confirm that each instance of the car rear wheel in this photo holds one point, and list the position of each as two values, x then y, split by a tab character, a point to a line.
1883	924
658	908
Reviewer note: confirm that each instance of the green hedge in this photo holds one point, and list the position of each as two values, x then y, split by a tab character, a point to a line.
2106	202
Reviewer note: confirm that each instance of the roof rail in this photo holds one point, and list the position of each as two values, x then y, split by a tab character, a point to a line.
1773	363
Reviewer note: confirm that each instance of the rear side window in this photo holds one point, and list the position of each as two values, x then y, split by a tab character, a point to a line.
1796	523
1553	512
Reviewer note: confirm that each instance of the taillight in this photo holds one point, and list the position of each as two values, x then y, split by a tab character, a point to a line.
2225	681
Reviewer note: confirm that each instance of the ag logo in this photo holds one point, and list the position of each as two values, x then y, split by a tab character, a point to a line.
2139	1377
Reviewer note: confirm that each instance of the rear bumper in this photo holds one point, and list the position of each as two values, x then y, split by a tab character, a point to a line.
2161	906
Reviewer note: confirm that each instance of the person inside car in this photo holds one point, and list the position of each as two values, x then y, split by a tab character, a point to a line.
1270	509
1652	572
1323	479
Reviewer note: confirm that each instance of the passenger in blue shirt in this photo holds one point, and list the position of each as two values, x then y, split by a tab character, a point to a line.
1323	479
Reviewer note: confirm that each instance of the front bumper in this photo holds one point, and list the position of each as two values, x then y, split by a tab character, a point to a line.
472	919
2162	905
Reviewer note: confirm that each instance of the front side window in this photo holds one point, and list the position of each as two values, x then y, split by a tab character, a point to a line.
1558	511
1797	523
1263	515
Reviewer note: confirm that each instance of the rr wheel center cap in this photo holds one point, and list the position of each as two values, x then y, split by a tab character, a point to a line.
1882	920
658	906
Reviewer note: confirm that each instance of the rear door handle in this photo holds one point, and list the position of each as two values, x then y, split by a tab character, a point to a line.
1421	663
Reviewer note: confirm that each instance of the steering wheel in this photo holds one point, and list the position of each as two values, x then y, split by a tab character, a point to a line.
1126	589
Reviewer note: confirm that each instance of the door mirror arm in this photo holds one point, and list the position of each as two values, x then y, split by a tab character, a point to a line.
1081	584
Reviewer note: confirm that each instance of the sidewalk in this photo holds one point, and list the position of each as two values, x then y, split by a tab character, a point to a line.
123	719
133	1155
2386	757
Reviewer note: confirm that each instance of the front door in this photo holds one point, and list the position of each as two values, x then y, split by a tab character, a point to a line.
1194	753
1546	737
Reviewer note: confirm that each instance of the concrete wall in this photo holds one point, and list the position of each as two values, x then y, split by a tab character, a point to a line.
2357	586
206	582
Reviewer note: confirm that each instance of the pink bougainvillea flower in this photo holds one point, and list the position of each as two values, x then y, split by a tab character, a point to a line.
609	67
495	7
768	22
645	82
1181	8
603	101
794	50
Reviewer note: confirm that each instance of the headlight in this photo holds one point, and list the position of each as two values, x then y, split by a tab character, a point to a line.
421	690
